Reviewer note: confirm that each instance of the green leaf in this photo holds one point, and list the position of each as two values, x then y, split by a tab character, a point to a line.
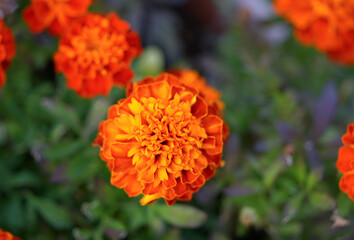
63	150
97	113
14	213
181	215
84	165
321	200
345	205
290	230
311	181
24	178
173	234
271	174
92	210
114	228
63	114
82	234
53	213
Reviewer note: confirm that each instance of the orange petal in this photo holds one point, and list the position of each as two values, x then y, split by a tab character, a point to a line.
133	187
148	199
345	161
188	176
346	184
208	172
199	108
213	125
170	182
170	202
122	149
209	143
200	181
348	137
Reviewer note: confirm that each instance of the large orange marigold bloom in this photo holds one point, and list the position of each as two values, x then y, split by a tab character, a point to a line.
7	50
57	15
326	24
161	141
7	236
96	54
345	162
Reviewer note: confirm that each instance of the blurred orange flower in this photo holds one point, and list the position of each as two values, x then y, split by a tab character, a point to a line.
96	54
325	24
7	50
57	15
345	162
7	236
161	141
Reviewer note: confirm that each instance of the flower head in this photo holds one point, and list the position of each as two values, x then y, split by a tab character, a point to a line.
161	141
345	162
56	15
96	54
7	236
7	50
325	24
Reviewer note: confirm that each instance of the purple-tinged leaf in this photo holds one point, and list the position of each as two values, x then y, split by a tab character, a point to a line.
114	229
325	109
313	158
7	7
286	132
114	233
238	191
59	175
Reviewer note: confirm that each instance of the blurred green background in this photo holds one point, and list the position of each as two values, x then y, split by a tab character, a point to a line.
287	106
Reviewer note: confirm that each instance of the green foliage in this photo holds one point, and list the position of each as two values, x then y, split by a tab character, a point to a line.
279	182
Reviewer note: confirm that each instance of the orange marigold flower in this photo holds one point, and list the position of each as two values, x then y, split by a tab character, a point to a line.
96	54
56	15
7	50
7	236
345	162
326	24
161	141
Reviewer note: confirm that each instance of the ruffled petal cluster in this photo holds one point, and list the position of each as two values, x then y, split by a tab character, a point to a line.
163	141
345	162
327	25
57	15
210	95
7	50
96	54
7	236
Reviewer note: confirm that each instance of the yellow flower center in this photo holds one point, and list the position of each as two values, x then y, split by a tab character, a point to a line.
169	136
96	47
